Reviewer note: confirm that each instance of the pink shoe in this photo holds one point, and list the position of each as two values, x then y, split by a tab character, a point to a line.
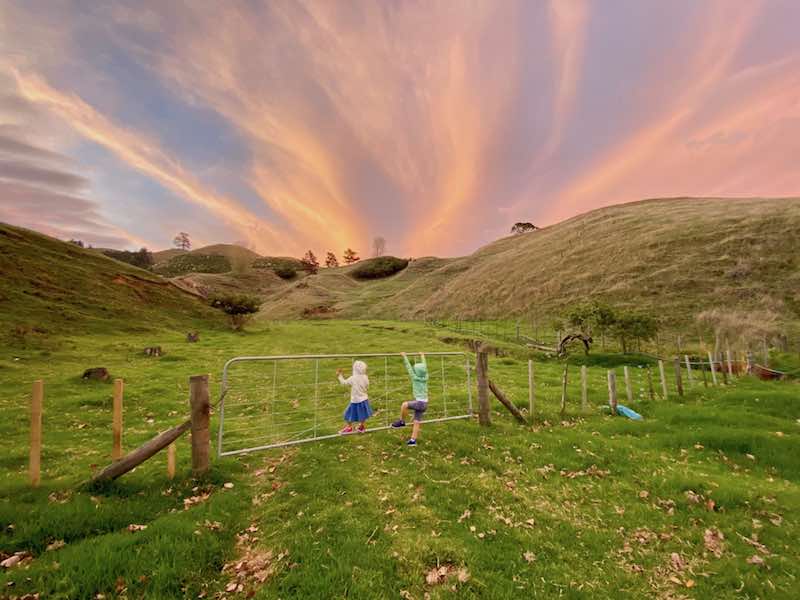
348	429
361	428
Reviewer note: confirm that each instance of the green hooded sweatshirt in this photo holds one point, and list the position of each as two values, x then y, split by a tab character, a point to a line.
419	378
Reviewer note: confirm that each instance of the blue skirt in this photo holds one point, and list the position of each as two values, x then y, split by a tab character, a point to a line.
358	411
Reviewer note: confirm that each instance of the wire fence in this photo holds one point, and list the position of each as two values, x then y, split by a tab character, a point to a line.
273	401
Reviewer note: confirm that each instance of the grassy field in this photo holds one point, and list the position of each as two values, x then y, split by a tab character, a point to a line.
698	500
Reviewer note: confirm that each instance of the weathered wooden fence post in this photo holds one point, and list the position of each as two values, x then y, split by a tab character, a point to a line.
612	391
688	369
730	363
663	379
531	391
628	388
584	390
482	374
119	390
564	390
651	394
678	379
171	460
201	411
37	399
713	369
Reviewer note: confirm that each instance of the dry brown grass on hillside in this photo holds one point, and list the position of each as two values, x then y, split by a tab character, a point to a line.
674	257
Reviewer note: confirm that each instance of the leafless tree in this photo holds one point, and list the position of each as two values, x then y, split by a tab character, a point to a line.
379	246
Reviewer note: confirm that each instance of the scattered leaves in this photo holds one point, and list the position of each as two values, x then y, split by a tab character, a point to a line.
713	539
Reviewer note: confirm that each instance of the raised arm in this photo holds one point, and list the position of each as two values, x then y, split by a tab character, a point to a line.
341	379
407	364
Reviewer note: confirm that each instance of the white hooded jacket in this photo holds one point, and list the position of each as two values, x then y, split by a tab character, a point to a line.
358	382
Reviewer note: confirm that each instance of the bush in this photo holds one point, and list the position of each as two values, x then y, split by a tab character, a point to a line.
375	268
194	263
285	268
238	308
142	259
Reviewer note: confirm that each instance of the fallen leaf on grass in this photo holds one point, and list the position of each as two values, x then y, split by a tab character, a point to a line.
529	557
133	527
755	560
644	494
713	539
228	485
15	559
693	497
676	562
465	515
56	545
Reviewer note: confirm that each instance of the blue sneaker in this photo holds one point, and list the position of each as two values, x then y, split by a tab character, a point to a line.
411	442
399	423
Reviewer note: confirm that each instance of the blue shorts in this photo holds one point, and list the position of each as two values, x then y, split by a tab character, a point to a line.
419	407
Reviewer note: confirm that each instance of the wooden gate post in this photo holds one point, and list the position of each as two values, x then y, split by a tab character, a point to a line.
564	390
37	398
584	390
663	378
116	449
628	388
482	374
678	379
171	461
612	391
201	411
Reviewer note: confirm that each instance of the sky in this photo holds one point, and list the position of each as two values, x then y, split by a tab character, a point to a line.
320	124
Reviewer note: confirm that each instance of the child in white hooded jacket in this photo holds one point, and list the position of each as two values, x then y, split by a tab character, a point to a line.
359	410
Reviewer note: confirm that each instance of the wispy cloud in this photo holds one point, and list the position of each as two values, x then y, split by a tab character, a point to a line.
435	124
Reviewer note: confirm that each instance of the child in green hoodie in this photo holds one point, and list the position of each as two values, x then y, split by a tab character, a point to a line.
419	384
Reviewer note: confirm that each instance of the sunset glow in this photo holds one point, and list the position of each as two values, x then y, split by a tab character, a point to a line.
289	125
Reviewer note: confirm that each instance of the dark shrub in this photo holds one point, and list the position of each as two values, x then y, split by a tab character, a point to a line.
238	308
142	258
375	268
285	268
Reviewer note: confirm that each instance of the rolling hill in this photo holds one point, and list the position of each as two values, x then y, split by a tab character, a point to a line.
50	286
675	257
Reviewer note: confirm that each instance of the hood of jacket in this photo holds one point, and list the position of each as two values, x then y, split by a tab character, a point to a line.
359	367
421	370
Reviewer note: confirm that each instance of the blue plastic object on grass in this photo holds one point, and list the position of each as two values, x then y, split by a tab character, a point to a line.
631	414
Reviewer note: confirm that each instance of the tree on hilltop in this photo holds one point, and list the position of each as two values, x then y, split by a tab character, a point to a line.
378	246
331	260
310	262
350	257
182	241
525	227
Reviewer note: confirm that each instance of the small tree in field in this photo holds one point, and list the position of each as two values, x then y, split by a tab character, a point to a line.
628	327
331	260
182	241
350	257
310	262
238	308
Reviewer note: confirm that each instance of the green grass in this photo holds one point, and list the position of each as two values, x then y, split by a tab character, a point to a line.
584	506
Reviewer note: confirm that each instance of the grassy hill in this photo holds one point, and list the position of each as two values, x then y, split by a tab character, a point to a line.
676	256
50	286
